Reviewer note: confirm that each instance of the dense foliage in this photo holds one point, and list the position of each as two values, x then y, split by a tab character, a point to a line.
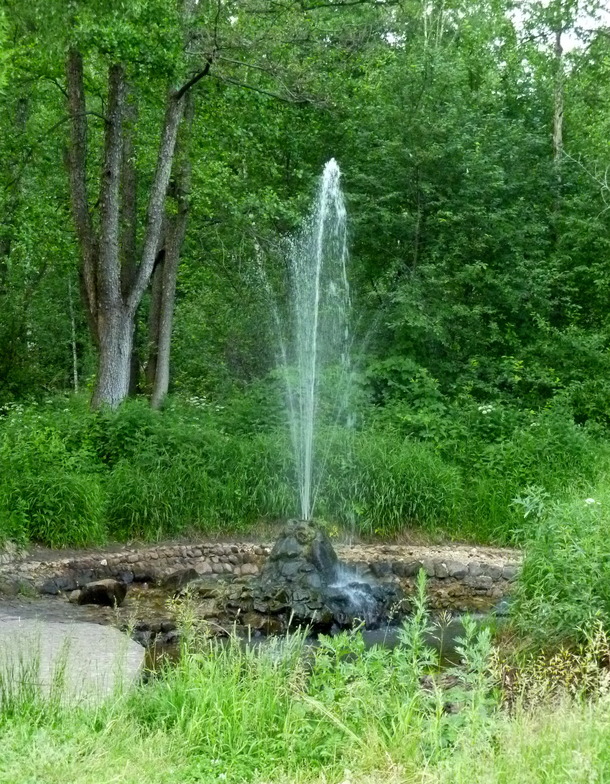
484	277
73	477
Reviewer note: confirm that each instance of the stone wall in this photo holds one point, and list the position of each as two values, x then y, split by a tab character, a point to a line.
139	564
459	578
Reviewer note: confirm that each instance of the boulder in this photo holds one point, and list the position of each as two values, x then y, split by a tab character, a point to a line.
109	593
56	585
94	660
142	573
204	587
303	583
10	586
179	579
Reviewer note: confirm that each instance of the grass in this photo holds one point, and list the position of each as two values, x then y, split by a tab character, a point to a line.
72	478
564	587
340	714
568	745
285	713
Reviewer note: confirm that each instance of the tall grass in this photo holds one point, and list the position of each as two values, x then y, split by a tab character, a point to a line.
70	477
289	713
564	586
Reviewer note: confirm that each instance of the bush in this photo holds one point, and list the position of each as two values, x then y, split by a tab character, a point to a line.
65	509
564	585
48	492
551	452
68	476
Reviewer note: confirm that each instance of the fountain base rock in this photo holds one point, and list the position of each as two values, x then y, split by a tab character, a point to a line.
303	583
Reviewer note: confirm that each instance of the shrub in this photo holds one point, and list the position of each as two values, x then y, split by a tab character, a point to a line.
48	493
565	581
13	521
64	509
195	465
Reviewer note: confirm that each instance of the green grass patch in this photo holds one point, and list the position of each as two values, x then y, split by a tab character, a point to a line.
564	586
284	712
72	477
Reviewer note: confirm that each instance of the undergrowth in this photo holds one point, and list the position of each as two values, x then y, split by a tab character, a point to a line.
72	477
564	586
286	712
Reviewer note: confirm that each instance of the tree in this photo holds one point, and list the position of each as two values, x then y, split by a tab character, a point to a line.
166	270
253	46
441	115
112	291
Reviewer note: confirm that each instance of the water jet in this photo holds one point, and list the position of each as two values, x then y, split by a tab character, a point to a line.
303	581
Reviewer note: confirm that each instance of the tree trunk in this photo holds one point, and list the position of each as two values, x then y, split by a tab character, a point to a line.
129	224
112	285
176	229
112	282
114	364
154	318
558	105
169	273
73	338
114	322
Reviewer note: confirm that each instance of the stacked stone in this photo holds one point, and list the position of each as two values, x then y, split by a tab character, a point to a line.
143	564
468	579
451	585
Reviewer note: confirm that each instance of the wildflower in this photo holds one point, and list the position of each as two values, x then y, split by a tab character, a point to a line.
591	501
486	409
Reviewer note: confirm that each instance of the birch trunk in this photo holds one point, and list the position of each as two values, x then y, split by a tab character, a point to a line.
558	105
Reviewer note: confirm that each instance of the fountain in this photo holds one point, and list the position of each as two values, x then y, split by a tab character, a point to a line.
316	338
303	581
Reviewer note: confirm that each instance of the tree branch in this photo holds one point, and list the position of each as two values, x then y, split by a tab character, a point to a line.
109	268
286	99
348	4
176	229
193	81
77	169
156	201
603	182
262	68
158	190
273	7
